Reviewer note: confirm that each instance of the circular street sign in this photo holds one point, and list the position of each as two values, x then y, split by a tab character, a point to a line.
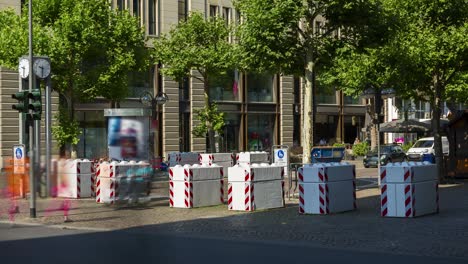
280	154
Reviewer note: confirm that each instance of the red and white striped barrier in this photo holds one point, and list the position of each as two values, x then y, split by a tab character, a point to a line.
256	186
326	188
326	172
255	172
248	158
74	178
196	172
190	194
250	196
183	158
224	160
408	189
195	185
122	181
327	198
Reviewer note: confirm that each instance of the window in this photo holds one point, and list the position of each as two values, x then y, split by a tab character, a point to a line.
260	88
139	82
319	28
182	10
227	15
152	5
349	100
136	8
213	10
260	131
230	138
93	139
120	5
225	88
326	95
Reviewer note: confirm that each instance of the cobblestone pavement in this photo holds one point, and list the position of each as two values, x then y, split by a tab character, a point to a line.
439	235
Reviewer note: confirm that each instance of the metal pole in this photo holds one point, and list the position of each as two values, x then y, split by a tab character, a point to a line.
48	110
32	178
378	151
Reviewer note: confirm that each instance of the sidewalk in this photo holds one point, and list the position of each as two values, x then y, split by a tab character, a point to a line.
444	234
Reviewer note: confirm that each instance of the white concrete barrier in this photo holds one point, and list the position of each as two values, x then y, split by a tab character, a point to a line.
326	188
74	178
190	194
250	196
409	189
251	157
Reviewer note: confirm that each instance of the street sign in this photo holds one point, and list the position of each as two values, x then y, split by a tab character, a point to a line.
281	157
18	159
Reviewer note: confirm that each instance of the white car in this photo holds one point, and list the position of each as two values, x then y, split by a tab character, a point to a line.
425	146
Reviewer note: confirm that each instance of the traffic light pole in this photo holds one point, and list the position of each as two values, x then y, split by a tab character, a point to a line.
32	178
48	128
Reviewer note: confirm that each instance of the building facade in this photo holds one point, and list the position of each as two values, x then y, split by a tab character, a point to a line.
261	110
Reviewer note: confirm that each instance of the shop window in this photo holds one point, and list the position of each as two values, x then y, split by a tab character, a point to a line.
93	139
230	137
349	100
260	131
260	88
326	95
139	82
225	87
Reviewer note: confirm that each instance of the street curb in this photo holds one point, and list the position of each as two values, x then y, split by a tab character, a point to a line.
22	223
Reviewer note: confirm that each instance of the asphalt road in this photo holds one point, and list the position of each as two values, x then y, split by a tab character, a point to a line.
40	244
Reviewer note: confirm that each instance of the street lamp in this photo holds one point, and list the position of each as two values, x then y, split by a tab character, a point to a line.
154	102
378	95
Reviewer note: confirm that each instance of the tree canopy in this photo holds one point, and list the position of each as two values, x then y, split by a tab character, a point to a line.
198	48
300	37
424	56
92	47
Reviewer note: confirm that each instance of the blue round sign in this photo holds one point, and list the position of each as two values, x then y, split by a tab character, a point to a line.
280	154
18	153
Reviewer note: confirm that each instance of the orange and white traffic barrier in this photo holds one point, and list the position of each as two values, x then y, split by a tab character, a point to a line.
409	189
195	186
256	186
326	188
74	178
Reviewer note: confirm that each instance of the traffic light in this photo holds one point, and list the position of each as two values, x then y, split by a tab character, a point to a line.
22	105
36	104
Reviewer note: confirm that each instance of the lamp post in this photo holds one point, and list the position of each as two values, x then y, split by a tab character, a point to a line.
148	100
378	95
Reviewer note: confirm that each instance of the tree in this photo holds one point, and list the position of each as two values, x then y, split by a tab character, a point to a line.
92	50
424	58
198	48
283	36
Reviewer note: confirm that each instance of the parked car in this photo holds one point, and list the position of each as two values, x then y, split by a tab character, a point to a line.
388	153
426	146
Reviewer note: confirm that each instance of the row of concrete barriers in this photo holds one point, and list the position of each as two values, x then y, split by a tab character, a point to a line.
407	190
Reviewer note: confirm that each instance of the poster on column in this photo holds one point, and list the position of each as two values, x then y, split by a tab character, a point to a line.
128	138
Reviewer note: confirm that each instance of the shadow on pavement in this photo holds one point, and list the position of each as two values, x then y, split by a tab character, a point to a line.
362	232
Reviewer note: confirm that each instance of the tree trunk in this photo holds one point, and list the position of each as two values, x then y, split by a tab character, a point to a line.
436	113
211	133
308	114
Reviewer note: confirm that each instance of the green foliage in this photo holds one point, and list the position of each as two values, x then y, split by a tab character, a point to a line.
92	47
406	146
210	119
195	45
339	145
360	149
67	130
